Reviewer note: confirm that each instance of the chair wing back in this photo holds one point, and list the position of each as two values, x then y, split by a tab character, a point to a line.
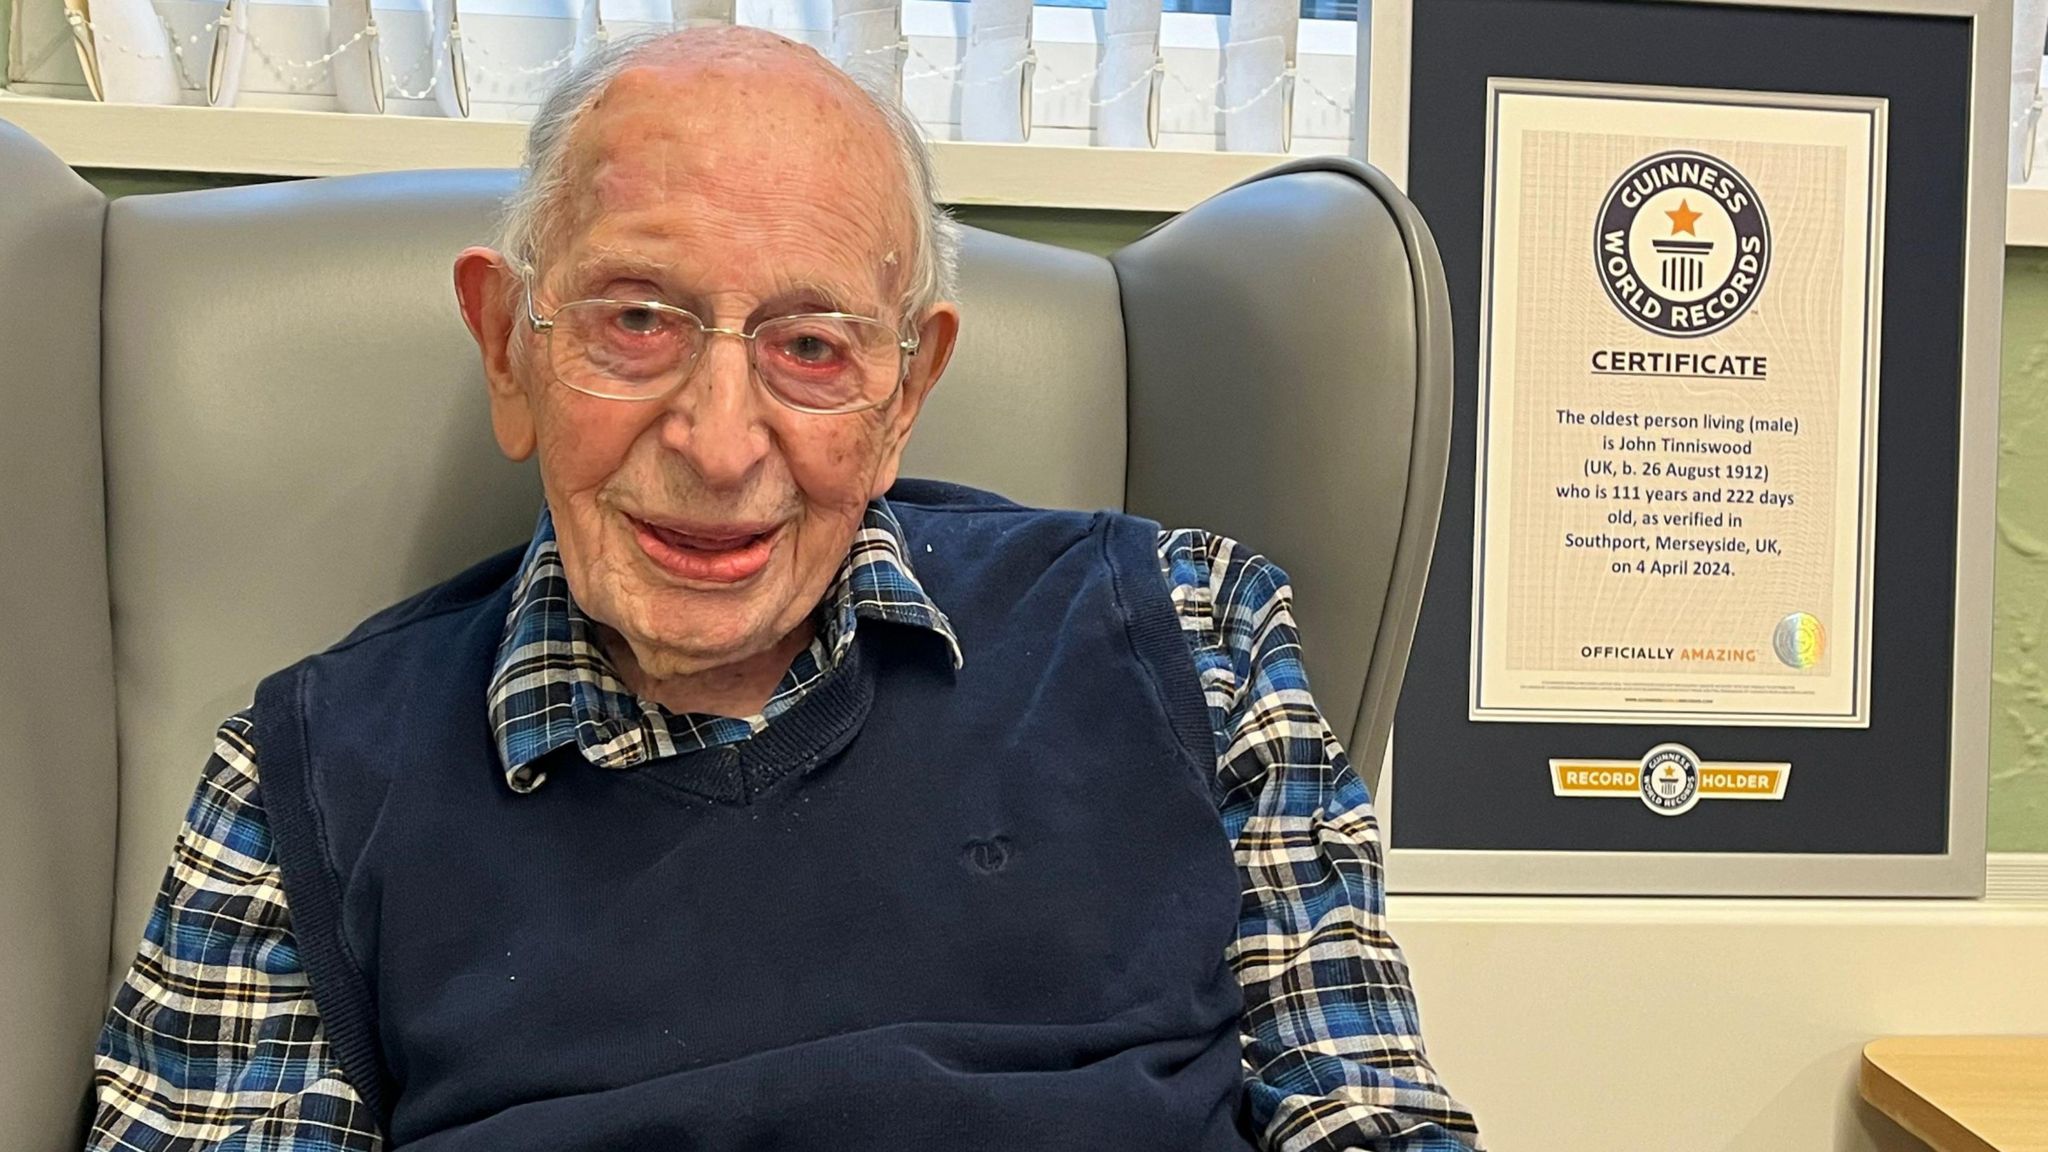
297	435
1290	386
56	665
1032	405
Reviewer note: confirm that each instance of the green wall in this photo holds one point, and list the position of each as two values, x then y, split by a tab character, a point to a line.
1097	232
130	182
2019	696
2019	689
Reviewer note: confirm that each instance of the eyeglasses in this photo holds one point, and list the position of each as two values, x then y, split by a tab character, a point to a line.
818	362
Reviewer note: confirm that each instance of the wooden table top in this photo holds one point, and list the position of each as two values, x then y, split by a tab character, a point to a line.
1963	1093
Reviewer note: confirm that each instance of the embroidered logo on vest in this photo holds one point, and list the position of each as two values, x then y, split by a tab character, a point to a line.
987	857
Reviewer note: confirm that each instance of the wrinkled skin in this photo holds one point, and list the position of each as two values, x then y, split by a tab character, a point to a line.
740	176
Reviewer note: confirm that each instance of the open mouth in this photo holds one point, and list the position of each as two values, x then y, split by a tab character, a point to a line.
716	555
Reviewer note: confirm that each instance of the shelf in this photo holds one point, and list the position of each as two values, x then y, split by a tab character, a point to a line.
289	142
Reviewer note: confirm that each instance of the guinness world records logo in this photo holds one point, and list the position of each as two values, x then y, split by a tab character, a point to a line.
1670	779
1682	243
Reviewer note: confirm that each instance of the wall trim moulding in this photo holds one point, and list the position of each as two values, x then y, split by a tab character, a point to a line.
289	142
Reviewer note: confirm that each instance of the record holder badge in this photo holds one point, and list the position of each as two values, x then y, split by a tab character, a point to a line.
1670	779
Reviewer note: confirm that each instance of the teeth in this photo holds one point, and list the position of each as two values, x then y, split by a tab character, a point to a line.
703	543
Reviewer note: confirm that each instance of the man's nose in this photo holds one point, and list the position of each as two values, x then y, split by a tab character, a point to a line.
714	419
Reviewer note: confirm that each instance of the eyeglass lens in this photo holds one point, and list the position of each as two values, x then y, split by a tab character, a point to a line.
631	351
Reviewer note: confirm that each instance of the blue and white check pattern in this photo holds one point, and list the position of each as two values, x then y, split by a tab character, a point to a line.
214	1041
1332	1043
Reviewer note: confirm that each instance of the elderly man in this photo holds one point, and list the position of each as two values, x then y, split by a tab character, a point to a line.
703	820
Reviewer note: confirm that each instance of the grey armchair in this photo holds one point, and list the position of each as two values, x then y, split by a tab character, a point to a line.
235	422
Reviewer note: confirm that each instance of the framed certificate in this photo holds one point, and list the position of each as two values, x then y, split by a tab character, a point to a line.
1676	485
1717	523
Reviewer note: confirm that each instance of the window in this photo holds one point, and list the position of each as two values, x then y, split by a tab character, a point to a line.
512	49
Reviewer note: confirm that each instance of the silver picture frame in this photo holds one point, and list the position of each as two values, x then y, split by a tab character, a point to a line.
1959	870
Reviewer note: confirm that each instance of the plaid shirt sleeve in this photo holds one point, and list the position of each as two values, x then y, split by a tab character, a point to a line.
1333	1048
213	1041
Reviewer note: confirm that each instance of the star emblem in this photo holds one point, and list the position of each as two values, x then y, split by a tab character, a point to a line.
1682	218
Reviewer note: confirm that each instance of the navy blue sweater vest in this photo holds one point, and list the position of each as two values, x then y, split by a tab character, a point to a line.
923	909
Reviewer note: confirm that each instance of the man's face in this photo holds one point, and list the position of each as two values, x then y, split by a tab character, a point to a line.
705	527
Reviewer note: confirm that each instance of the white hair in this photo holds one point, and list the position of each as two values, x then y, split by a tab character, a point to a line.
533	212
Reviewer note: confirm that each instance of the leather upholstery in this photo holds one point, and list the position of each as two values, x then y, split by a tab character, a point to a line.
57	770
1290	387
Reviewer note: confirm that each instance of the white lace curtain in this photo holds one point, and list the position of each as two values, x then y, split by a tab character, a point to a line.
982	79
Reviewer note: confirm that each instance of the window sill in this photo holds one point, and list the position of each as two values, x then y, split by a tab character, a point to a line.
288	142
2026	216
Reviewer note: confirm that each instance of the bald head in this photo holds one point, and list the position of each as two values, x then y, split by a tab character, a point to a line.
727	116
737	53
722	95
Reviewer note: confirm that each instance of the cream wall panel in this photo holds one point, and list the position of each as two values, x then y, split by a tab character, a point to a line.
1704	1026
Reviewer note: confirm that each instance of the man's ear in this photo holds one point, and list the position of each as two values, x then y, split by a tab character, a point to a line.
936	335
489	292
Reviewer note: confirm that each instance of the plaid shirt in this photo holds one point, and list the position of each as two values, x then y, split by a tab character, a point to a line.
214	1041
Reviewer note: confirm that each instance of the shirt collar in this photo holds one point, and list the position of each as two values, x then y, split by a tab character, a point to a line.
553	686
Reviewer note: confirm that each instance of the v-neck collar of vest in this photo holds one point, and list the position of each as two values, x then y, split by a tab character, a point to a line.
811	731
